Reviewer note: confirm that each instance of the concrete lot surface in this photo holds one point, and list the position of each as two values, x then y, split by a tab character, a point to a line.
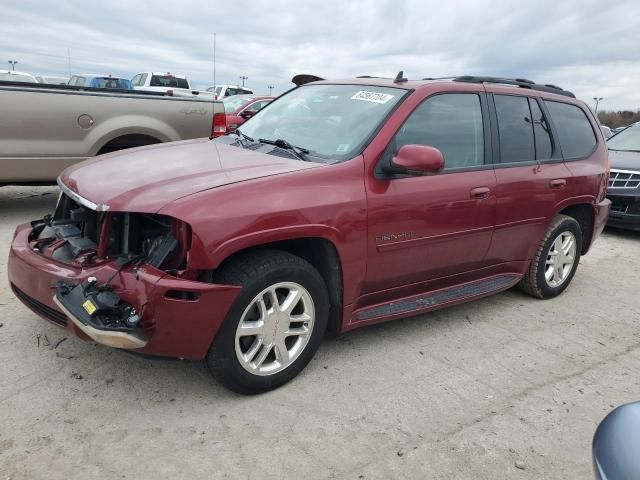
507	387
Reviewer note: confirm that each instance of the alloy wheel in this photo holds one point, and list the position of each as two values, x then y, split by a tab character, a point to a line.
275	328
560	259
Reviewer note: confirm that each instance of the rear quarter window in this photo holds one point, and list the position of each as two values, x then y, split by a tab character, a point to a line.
577	139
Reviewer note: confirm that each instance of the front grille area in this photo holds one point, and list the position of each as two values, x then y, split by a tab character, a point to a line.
624	179
40	308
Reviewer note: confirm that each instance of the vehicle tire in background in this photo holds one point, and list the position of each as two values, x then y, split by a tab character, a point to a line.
556	259
276	324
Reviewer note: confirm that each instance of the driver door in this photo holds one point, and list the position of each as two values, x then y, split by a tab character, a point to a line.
425	227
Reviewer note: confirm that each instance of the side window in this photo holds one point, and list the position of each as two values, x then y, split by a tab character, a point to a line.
143	79
80	81
72	81
450	122
541	133
576	136
515	129
135	80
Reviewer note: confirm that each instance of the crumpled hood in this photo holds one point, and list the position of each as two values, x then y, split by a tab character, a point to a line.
622	160
148	178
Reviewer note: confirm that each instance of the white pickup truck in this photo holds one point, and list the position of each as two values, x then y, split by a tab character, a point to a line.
169	84
45	128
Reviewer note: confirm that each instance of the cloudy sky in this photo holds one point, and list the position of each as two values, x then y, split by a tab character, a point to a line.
590	47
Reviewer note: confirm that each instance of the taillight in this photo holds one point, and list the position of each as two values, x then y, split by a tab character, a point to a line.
169	93
219	126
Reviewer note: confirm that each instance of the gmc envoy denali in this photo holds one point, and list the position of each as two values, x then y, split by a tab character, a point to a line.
341	204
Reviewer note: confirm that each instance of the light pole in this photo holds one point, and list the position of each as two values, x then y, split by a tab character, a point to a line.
598	100
12	64
243	78
270	87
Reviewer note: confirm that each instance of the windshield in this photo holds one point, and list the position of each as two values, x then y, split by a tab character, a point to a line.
168	81
628	139
231	104
331	121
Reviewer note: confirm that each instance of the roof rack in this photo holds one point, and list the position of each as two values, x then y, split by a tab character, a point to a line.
519	82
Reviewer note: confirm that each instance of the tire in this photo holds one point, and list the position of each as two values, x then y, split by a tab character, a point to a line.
237	357
536	281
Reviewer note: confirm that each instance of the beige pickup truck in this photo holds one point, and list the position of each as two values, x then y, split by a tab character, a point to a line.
46	128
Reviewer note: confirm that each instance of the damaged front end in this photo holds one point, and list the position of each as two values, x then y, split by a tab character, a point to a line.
86	238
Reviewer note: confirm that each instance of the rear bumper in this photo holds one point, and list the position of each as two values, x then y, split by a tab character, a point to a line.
171	326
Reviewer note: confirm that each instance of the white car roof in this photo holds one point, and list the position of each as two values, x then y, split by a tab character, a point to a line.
166	73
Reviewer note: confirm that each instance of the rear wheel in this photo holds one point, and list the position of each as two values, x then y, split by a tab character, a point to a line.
556	259
274	327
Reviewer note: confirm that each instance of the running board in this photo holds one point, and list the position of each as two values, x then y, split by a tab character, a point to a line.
439	298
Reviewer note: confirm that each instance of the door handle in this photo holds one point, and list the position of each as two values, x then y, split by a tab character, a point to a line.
558	183
480	192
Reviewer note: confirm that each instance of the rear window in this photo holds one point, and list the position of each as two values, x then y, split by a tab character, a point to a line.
576	136
111	82
168	81
231	104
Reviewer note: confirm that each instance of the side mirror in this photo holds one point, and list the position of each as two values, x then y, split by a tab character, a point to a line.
615	453
416	160
248	113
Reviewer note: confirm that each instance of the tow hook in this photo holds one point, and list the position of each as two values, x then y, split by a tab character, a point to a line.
100	313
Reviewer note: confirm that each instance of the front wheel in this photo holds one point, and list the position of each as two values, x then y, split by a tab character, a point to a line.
274	327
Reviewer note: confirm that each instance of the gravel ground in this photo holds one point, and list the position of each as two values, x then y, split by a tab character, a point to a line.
506	387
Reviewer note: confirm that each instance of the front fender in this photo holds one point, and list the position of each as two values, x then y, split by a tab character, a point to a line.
201	258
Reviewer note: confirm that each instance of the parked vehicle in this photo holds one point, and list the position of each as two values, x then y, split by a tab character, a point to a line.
239	108
53	126
624	181
614	455
100	81
606	131
342	204
168	83
223	91
52	80
12	76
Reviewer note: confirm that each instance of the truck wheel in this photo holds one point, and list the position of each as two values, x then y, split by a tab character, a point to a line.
556	260
276	324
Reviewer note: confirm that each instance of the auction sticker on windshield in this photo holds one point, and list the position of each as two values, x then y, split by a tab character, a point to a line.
372	96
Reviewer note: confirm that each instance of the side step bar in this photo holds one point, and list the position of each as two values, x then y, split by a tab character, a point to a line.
439	298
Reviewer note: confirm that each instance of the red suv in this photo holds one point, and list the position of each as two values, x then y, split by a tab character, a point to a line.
345	203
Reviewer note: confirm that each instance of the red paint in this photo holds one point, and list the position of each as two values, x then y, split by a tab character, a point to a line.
395	238
419	158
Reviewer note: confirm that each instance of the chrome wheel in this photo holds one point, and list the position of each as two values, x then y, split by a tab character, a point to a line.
560	259
275	328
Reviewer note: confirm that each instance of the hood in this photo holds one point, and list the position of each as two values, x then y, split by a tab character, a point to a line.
622	160
148	178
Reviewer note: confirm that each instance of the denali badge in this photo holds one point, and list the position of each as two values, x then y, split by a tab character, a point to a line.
391	237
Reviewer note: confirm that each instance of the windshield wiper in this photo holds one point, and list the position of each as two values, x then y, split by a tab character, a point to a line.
242	136
624	150
299	152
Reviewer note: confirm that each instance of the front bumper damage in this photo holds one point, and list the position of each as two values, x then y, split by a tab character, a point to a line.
176	317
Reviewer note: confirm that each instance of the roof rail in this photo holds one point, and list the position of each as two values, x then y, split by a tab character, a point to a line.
519	82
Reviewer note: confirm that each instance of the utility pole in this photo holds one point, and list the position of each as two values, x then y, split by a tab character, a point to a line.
243	78
12	65
270	87
598	100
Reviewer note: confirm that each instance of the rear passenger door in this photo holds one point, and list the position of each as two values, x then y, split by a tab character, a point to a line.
531	175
